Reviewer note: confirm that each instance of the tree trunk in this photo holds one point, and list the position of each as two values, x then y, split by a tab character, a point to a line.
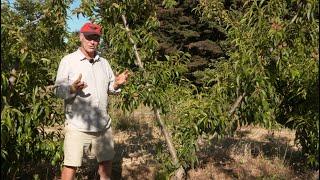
136	53
236	104
180	173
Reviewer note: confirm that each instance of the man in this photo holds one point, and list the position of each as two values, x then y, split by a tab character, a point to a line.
83	81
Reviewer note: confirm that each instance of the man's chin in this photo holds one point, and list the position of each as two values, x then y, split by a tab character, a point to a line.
91	50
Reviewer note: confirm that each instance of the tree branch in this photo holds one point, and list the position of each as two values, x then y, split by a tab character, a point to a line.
236	104
33	22
136	53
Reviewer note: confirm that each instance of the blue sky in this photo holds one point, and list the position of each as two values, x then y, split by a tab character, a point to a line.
74	23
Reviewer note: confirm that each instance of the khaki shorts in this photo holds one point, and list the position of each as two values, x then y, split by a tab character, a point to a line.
79	145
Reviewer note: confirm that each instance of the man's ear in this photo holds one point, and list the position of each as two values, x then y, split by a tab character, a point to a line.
81	36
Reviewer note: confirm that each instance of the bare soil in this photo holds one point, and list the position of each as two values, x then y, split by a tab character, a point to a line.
252	153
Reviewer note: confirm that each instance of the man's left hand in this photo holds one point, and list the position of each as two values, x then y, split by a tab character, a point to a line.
121	79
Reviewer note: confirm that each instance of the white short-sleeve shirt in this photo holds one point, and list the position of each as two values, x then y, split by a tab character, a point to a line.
87	109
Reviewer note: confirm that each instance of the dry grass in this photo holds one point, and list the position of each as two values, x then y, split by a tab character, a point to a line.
136	138
253	153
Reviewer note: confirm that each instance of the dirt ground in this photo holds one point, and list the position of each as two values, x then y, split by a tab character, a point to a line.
252	153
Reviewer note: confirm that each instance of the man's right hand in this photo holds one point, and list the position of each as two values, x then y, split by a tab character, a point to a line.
77	85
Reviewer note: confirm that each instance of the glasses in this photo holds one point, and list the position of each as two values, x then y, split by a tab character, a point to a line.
92	37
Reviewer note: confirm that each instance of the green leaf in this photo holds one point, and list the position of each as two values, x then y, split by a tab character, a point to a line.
23	57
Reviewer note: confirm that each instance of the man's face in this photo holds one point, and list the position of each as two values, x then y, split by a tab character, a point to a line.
89	42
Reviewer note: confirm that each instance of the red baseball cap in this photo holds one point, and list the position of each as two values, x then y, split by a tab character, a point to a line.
90	28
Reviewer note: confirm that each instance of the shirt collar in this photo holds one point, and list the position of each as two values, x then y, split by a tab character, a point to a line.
83	57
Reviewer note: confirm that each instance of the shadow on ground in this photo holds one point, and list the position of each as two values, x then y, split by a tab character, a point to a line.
135	148
242	157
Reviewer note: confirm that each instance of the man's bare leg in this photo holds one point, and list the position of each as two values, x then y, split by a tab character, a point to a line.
68	173
105	169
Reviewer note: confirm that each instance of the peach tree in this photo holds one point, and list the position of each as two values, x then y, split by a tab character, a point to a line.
273	62
32	43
